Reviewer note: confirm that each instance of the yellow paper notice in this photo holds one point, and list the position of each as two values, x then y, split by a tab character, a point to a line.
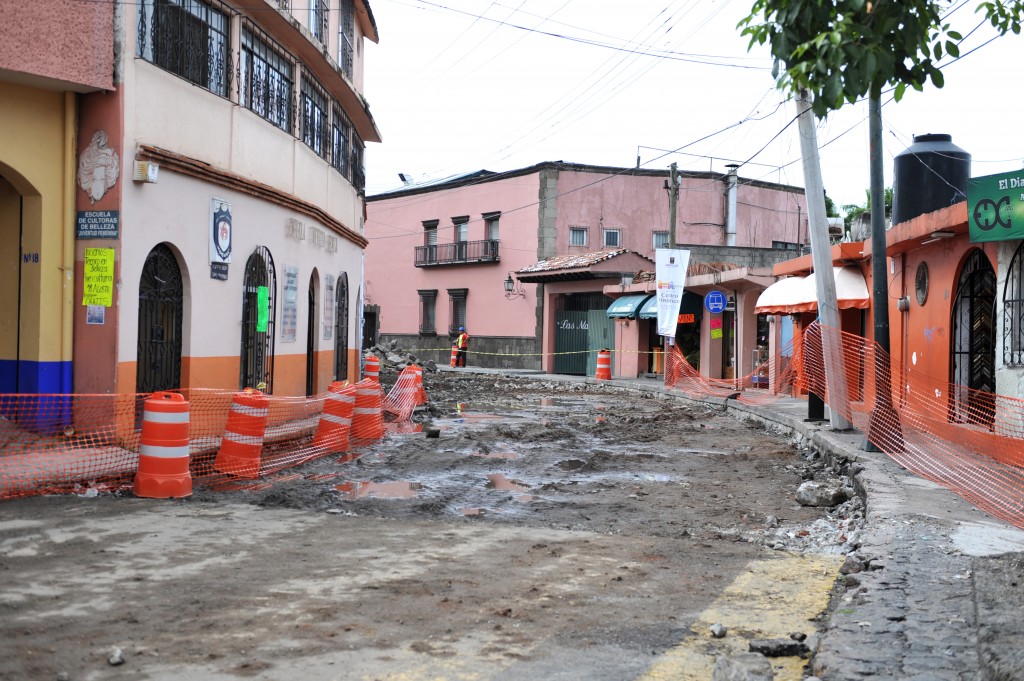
98	286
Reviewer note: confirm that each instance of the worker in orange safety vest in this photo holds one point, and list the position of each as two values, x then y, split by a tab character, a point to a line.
461	345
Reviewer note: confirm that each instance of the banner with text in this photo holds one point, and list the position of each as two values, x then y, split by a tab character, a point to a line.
670	273
995	207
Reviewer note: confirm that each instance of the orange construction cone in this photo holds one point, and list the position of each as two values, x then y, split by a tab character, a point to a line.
455	356
368	416
163	453
336	418
242	444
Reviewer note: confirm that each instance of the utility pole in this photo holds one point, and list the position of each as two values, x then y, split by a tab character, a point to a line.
821	256
884	419
673	200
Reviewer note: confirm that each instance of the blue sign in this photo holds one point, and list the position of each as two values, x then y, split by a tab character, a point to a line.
714	302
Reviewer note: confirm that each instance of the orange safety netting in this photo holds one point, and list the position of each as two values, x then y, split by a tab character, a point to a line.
71	443
968	441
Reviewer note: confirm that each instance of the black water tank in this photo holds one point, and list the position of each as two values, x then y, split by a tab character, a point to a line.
930	174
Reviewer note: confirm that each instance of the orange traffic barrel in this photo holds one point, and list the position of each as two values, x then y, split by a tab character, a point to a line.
163	453
421	393
604	365
455	356
367	415
336	418
372	369
242	444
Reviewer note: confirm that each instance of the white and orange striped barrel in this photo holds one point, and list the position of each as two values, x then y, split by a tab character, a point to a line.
368	415
242	444
163	452
371	370
336	418
604	365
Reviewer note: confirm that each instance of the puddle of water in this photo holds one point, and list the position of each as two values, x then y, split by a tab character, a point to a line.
403	428
651	477
497	455
379	490
473	417
500	482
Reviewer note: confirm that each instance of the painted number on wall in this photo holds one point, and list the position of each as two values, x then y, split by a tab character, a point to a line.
30	258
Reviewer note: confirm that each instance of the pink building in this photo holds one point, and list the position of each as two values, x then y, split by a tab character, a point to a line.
530	260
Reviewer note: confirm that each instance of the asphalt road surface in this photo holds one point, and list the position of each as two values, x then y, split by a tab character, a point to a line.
550	531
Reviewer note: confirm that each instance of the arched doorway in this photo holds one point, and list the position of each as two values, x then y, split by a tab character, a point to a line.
973	345
311	327
161	301
258	314
341	328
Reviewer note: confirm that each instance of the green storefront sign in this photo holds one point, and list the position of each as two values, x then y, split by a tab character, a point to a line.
995	207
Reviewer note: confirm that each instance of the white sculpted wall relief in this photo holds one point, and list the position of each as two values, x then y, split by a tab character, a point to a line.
98	167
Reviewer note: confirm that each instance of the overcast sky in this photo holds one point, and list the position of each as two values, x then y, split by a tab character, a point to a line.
463	85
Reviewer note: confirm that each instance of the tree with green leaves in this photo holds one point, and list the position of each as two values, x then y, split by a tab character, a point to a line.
835	52
843	50
852	211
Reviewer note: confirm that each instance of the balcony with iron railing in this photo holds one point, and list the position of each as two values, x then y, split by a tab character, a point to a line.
458	253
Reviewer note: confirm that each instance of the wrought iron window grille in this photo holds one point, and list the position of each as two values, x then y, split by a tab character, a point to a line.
189	38
346	36
341	328
265	79
257	350
428	312
318	12
340	130
315	115
1013	311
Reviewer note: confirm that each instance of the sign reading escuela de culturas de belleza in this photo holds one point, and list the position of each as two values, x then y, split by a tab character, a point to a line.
995	207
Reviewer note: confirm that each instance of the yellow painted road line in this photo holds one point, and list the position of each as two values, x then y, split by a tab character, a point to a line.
773	598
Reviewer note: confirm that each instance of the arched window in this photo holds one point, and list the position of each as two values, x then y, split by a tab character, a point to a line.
1013	311
258	296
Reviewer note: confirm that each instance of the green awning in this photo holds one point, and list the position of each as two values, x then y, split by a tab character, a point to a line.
691	303
627	306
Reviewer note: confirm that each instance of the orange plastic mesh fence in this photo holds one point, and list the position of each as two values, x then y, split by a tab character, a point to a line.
968	441
70	443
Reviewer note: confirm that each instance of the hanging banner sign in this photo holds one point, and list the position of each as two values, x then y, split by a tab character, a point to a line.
670	272
995	207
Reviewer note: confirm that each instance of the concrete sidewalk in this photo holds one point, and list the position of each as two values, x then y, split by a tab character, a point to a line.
937	590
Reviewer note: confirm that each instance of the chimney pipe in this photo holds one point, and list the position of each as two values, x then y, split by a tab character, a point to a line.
730	210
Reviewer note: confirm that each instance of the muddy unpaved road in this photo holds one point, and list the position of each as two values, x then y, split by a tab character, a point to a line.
550	531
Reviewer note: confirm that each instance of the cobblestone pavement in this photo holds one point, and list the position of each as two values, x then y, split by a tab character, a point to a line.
936	590
940	589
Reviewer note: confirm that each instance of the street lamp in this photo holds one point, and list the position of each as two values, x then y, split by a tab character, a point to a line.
513	289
